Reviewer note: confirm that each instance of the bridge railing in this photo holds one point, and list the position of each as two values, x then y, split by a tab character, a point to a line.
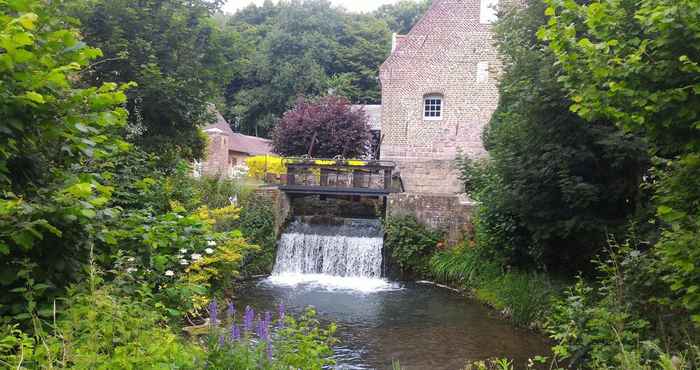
339	175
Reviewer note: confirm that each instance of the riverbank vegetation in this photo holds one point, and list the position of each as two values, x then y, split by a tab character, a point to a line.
591	181
109	248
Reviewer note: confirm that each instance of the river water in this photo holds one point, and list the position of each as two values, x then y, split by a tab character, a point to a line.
337	270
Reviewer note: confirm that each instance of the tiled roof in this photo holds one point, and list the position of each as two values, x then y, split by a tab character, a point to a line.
374	113
250	145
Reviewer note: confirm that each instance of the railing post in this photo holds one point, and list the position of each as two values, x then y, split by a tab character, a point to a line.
387	178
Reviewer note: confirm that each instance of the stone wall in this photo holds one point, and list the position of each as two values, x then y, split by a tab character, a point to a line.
281	205
450	213
337	206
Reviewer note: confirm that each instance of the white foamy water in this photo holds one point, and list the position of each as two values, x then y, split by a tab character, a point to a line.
340	257
331	283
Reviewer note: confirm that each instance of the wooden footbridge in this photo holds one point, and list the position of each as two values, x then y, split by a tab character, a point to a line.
339	177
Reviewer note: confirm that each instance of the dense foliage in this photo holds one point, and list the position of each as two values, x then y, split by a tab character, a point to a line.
409	244
174	53
636	63
325	128
50	213
403	15
555	182
101	242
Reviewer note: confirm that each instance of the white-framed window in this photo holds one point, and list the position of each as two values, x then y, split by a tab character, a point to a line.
433	107
487	12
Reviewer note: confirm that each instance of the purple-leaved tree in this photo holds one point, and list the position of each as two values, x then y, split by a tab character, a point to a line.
323	128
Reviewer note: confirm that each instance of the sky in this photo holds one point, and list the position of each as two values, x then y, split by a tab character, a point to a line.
352	5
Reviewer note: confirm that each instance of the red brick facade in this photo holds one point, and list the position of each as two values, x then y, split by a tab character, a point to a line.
449	54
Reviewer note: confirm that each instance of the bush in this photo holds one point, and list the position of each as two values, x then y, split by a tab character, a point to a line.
260	165
100	329
257	222
622	321
410	244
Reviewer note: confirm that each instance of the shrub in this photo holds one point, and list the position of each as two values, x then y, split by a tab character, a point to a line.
324	128
100	329
178	255
257	222
621	321
410	244
260	165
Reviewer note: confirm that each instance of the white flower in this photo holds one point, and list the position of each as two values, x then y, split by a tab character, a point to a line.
183	251
131	259
196	256
211	243
169	273
131	269
209	251
180	216
183	262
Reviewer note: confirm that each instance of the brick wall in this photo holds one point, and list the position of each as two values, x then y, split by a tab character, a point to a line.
449	213
216	161
441	55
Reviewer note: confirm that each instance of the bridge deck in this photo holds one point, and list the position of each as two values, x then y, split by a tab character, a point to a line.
338	177
332	190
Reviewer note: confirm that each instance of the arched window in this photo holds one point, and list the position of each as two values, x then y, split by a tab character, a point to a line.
432	107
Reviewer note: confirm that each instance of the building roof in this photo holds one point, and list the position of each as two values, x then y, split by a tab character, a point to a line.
374	113
250	145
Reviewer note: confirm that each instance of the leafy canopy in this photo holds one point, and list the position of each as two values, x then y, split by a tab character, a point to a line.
637	63
555	184
175	53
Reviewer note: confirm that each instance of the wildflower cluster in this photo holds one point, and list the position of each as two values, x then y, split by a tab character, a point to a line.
260	340
254	330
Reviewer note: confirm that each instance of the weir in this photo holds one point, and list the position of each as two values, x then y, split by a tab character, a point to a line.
345	254
351	249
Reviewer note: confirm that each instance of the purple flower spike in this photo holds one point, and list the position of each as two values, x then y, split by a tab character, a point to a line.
235	333
268	318
269	349
248	318
222	340
281	315
213	313
230	311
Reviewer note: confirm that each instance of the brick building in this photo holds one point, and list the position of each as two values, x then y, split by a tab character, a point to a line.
438	92
228	149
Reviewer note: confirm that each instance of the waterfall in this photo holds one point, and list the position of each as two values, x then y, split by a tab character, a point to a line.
343	255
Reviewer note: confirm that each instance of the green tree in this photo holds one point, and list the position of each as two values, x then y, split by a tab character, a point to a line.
403	15
49	208
561	183
637	63
176	55
302	49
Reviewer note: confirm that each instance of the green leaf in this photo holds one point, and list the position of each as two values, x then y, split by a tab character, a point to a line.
28	20
34	97
88	213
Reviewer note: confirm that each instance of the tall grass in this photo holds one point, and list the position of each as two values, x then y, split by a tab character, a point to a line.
521	295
